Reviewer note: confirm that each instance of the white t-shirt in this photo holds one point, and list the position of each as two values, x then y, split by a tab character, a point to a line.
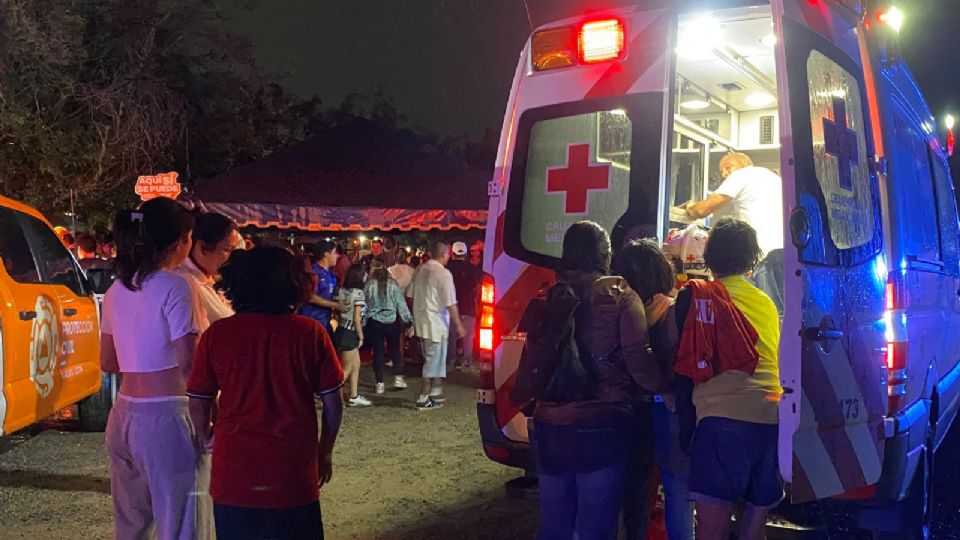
433	292
402	273
757	195
145	323
214	306
351	298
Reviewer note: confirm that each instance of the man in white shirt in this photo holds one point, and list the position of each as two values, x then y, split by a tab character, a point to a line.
434	312
755	195
214	239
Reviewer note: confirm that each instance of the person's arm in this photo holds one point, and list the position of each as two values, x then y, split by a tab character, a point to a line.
182	312
329	379
329	304
707	207
109	363
329	428
202	388
450	293
635	343
357	321
401	304
183	350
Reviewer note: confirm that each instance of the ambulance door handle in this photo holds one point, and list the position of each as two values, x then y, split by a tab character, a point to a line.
822	334
69	312
28	315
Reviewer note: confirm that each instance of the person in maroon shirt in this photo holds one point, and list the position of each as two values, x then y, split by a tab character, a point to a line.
267	364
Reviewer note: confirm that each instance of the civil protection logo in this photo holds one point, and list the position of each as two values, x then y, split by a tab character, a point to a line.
44	344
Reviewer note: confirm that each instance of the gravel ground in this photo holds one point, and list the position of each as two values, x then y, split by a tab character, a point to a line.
399	473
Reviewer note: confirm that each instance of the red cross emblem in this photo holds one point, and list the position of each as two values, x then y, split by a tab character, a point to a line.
578	178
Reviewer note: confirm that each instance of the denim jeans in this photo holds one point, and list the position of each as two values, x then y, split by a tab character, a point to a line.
674	467
377	334
768	277
581	481
585	503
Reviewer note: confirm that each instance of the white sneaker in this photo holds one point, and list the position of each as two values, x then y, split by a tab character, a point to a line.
380	387
359	401
399	383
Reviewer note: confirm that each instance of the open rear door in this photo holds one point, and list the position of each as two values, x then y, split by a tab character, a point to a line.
582	139
831	355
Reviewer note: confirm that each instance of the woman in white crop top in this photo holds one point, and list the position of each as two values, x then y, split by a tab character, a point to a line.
151	320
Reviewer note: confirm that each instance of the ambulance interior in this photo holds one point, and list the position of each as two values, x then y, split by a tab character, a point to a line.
725	100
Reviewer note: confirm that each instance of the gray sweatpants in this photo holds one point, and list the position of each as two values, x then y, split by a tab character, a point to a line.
158	479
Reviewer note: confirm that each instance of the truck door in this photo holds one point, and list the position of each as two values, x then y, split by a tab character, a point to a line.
30	330
79	350
832	345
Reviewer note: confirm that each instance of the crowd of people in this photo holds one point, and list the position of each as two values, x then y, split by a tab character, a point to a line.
682	378
224	353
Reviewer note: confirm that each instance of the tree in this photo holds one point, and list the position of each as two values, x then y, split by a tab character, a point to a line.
94	93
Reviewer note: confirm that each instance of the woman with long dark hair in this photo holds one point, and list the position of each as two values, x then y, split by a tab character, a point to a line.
385	305
149	333
349	334
582	441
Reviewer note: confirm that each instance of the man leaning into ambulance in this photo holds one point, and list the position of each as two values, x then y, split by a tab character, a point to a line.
755	195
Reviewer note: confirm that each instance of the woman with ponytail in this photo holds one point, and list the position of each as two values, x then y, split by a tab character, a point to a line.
150	326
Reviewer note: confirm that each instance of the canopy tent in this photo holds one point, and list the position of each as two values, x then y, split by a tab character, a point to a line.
355	177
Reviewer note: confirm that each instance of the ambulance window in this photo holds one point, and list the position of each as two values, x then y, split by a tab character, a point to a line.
60	268
577	167
840	152
914	196
949	227
14	249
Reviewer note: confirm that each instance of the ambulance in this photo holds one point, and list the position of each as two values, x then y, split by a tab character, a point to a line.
49	327
621	114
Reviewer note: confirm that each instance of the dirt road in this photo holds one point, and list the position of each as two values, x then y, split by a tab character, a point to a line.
399	474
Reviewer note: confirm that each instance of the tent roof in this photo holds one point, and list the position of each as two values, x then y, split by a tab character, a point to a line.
359	165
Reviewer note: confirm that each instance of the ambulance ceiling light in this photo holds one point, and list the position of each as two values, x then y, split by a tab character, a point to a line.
769	40
759	99
695	104
699	38
601	41
618	112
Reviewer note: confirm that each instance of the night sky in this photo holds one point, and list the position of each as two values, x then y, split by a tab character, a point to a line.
449	63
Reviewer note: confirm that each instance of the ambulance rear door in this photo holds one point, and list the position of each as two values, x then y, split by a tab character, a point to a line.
582	139
832	344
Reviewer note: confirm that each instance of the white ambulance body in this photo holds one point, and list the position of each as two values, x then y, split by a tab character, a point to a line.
619	116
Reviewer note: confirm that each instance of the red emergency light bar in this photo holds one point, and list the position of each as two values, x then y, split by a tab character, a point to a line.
591	42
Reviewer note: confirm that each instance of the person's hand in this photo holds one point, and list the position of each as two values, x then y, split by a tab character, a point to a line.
340	306
670	402
461	331
361	342
325	466
409	331
684	205
657	309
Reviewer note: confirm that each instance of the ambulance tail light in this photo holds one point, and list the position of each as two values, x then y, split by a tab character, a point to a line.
591	42
487	331
895	319
601	41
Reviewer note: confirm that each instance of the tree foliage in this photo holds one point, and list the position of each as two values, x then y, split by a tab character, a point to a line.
94	93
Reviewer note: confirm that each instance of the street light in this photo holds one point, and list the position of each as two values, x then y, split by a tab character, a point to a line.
949	121
894	17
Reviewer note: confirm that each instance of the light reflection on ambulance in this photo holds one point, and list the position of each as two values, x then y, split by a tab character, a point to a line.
49	328
619	116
